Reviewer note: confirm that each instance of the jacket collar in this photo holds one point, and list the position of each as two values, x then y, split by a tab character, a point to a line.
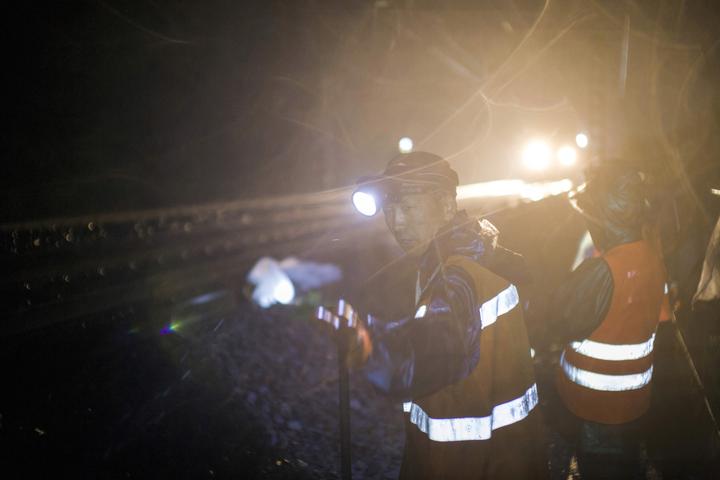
463	235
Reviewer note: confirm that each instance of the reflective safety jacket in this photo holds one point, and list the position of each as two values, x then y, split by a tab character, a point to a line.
605	377
462	365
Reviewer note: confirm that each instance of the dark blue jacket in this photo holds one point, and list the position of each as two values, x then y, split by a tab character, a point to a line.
413	357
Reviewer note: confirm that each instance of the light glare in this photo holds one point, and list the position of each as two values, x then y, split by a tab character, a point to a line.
581	140
272	284
284	291
567	155
513	188
364	203
536	155
405	145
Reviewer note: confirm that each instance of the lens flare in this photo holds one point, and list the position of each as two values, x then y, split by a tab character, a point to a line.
170	328
365	203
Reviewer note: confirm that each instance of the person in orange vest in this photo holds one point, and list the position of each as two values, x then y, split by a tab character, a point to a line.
606	314
460	361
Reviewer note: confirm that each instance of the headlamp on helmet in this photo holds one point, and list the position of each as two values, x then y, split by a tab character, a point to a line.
370	196
365	203
411	173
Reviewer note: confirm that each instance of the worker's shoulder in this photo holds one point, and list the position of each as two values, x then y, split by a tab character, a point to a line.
635	255
479	274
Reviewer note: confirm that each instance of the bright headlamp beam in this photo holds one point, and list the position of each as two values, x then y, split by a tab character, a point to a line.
536	155
567	155
513	188
364	203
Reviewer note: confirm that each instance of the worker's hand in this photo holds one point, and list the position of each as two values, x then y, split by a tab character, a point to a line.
351	332
359	346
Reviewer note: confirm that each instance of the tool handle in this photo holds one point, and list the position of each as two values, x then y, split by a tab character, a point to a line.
344	392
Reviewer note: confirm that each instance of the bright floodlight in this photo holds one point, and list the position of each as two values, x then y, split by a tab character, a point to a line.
405	145
582	140
364	203
536	155
567	155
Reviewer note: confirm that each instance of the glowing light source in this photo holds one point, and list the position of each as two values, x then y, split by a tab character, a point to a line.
272	285
284	292
405	145
567	155
582	140
513	188
538	191
536	155
365	203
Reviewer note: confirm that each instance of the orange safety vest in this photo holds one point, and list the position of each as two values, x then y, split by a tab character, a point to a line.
485	425
606	378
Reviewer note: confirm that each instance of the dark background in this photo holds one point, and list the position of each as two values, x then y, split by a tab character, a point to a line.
131	104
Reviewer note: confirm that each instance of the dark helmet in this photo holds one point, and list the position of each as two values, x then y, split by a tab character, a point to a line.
406	173
421	169
616	201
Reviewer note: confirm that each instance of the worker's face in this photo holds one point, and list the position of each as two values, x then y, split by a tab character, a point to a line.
415	218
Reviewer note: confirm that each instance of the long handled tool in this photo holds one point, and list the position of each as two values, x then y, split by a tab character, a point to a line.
343	322
344	392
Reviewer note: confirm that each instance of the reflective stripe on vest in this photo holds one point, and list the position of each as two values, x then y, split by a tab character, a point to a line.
606	351
473	428
500	304
604	382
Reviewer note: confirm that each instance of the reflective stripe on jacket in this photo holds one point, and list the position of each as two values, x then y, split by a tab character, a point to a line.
485	424
606	377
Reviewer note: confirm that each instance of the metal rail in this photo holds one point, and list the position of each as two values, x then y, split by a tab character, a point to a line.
59	269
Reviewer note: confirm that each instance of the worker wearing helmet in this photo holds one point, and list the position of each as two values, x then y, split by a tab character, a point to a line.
460	361
606	315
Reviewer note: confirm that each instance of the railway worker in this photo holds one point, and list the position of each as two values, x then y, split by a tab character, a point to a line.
460	361
606	315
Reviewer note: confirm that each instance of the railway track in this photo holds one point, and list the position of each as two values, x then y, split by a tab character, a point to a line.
65	268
